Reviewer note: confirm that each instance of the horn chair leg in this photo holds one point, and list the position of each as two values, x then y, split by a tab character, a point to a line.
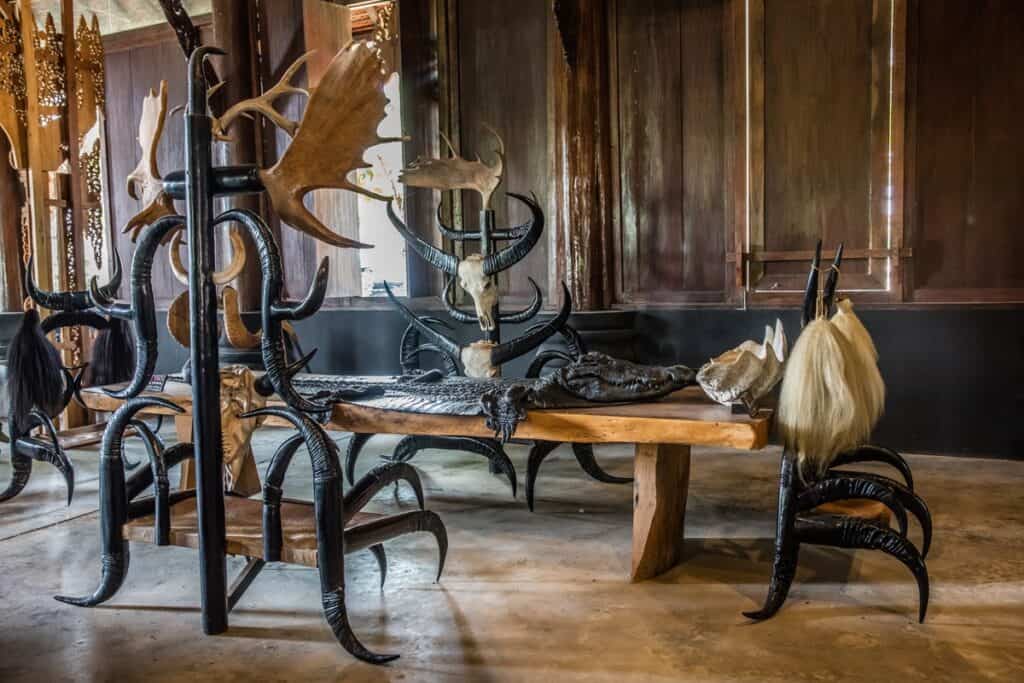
800	523
878	454
44	448
333	510
584	453
410	445
114	503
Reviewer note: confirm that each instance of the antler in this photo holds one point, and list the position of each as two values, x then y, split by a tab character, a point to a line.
222	277
145	183
264	104
457	173
339	124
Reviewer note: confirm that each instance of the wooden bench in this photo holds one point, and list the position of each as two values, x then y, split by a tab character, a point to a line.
662	433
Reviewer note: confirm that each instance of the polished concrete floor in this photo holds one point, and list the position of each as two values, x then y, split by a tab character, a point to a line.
537	597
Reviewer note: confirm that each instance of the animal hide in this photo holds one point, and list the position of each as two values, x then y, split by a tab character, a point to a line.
865	358
113	355
822	410
34	372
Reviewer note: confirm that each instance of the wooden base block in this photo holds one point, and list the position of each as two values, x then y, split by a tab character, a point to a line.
662	477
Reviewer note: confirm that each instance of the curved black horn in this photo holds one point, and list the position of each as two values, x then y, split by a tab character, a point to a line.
275	357
517	251
506	351
851	532
435	337
454	235
870	453
114	502
71	301
328	505
74	319
313	300
515	317
142	311
371	483
197	78
431	254
810	309
832	281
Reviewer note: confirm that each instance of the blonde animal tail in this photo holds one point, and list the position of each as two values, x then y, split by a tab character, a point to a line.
822	410
865	358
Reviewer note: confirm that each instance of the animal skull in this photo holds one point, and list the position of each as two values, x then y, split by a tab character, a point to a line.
481	287
237	395
476	360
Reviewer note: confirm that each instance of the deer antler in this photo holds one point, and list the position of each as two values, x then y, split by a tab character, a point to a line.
145	183
264	104
457	173
222	277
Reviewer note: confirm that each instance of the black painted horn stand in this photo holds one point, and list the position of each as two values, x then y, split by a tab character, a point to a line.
203	351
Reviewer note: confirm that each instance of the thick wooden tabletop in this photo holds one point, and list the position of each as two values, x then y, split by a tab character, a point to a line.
685	417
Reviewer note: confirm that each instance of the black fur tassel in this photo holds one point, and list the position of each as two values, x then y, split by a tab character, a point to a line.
113	356
34	372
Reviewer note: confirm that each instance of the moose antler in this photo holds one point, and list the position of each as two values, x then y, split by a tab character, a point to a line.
457	173
339	125
264	104
145	183
222	277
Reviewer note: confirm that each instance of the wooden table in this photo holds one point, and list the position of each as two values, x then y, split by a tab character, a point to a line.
662	432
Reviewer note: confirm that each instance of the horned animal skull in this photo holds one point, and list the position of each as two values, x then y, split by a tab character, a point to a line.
478	360
481	287
237	396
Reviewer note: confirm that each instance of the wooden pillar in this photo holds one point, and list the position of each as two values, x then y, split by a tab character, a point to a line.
11	202
234	25
580	69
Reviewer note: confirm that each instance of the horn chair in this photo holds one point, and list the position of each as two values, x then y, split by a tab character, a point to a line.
30	409
316	534
427	335
842	508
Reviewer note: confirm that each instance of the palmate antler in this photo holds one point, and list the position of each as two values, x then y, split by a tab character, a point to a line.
264	104
145	183
340	123
457	173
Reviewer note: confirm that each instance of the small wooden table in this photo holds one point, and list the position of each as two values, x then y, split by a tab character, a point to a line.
662	432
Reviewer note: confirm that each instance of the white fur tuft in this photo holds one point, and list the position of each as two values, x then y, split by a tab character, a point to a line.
865	358
822	406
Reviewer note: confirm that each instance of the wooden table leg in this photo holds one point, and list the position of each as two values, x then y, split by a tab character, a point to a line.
183	427
662	476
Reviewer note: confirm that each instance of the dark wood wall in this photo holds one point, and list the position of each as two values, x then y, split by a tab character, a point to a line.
741	132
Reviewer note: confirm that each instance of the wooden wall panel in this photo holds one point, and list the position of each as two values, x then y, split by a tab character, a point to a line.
502	62
968	142
825	106
670	80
